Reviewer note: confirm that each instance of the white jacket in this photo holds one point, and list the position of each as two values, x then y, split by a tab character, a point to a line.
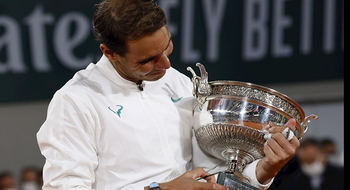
103	133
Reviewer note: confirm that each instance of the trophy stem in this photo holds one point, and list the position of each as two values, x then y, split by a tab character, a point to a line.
231	156
232	165
232	178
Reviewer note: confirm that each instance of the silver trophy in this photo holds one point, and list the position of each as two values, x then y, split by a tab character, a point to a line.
230	121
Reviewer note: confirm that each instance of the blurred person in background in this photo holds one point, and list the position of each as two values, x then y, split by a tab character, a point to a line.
309	170
7	181
126	121
330	151
30	179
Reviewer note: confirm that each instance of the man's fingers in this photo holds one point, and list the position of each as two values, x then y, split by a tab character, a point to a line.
211	179
295	142
202	175
276	144
269	153
197	173
211	185
288	133
282	148
273	128
291	124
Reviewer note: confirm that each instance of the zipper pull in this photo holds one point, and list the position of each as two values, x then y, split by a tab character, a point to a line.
140	85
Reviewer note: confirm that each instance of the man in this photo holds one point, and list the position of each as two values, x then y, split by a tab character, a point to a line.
309	171
29	179
126	121
329	149
7	181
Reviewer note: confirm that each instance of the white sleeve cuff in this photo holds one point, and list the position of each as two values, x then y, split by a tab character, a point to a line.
250	172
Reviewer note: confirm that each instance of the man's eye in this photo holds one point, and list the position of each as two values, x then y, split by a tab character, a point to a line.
145	61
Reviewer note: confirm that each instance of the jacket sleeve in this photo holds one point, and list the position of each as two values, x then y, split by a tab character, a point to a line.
250	172
67	141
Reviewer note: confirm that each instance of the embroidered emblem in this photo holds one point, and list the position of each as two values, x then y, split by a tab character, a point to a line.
117	111
176	100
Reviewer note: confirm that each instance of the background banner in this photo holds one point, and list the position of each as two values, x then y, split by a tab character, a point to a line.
44	42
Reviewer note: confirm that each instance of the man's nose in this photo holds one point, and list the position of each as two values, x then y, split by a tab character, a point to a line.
164	62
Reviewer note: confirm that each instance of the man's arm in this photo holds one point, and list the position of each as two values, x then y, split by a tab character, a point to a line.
188	181
66	139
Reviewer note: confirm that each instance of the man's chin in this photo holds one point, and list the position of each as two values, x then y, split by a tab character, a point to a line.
156	76
154	79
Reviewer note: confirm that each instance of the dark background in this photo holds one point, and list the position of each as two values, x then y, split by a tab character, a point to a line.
316	65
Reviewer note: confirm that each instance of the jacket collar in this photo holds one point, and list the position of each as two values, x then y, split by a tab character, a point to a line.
106	67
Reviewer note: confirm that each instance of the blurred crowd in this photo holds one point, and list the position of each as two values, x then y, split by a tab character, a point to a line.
30	179
317	166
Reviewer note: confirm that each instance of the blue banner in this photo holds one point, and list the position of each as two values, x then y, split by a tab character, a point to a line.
44	42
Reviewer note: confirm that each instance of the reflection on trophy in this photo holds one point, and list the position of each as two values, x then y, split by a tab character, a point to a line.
230	120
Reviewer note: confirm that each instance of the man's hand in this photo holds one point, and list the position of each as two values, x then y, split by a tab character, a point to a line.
188	181
278	151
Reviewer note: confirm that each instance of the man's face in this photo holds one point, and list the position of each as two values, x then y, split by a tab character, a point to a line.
29	175
7	182
309	154
329	150
147	58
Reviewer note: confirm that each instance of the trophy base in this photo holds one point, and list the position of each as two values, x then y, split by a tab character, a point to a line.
233	183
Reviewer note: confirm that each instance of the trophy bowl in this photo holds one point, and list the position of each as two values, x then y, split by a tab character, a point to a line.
231	117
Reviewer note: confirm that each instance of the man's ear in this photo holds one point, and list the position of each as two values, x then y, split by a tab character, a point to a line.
112	56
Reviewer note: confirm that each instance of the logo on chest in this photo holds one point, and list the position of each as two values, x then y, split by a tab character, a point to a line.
175	100
117	109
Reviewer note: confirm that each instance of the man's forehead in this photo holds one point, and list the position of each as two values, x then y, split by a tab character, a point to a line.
150	45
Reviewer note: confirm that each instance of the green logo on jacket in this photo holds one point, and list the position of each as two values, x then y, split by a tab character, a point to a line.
118	110
176	100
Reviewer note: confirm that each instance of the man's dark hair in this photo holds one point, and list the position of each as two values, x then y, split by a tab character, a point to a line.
326	142
116	22
5	174
310	142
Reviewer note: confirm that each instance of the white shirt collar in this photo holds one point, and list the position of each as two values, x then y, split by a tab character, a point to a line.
106	67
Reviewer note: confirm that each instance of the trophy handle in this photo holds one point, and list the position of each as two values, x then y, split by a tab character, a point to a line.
306	122
195	81
201	87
